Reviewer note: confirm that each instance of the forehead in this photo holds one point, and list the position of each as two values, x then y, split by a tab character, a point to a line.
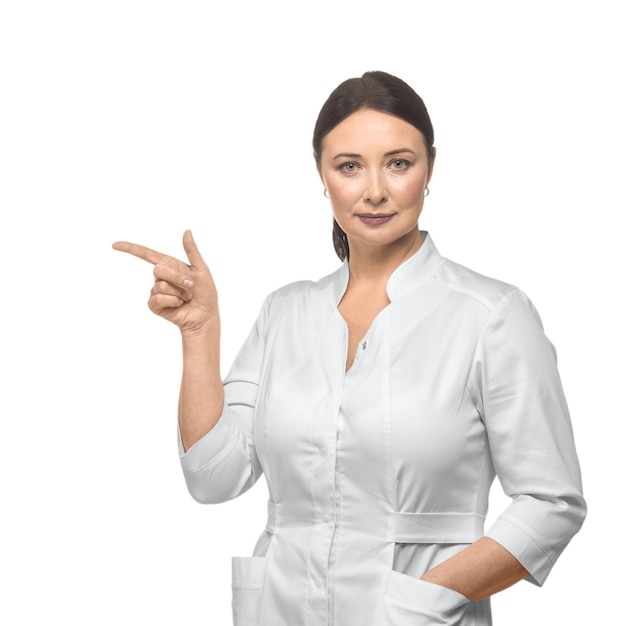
367	130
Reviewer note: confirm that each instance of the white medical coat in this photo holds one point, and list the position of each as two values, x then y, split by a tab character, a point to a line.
377	474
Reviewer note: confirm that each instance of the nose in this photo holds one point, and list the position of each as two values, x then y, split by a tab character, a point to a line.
375	191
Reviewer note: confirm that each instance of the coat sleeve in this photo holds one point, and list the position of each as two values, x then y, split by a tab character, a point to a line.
224	464
530	437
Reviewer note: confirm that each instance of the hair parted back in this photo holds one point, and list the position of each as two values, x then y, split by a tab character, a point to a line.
373	90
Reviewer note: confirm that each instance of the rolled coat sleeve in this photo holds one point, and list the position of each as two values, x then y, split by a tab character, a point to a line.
224	464
531	442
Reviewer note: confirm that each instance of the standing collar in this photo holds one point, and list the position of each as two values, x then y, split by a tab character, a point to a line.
406	277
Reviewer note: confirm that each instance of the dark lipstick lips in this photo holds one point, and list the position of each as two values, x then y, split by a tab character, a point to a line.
375	218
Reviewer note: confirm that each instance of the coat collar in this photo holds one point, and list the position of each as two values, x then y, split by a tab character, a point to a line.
406	277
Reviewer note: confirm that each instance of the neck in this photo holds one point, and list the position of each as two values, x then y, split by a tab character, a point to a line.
376	263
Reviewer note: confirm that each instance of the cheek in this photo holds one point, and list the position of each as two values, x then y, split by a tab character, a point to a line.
342	193
411	191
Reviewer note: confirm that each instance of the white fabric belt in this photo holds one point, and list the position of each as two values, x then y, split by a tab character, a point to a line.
407	527
438	527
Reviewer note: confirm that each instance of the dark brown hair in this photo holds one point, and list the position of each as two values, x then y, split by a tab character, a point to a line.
378	91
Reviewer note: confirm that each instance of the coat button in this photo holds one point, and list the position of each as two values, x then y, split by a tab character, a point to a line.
364	345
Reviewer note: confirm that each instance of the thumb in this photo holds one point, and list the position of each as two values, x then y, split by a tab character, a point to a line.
193	254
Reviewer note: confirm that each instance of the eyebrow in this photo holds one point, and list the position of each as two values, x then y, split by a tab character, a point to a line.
353	155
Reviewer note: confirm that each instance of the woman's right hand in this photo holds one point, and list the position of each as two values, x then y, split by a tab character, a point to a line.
182	293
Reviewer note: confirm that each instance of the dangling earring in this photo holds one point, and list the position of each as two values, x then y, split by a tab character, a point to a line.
326	193
426	192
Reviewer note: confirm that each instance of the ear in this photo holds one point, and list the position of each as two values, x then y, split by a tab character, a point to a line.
432	163
319	171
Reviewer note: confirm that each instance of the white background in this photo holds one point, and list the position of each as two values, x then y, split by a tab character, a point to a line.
138	119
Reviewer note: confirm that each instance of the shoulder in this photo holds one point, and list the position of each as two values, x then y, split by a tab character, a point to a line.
484	291
501	305
302	291
298	305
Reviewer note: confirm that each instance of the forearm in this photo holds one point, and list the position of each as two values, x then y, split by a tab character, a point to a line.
201	400
478	571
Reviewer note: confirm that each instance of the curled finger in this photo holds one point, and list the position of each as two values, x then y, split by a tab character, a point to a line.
170	275
165	288
159	301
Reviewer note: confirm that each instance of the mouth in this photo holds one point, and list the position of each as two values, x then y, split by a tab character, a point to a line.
374	219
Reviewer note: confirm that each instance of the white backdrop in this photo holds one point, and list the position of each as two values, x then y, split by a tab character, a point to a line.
138	119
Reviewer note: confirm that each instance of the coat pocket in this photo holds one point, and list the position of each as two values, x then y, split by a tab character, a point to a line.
248	574
411	601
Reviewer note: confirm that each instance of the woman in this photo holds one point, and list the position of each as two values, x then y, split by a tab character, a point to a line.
380	402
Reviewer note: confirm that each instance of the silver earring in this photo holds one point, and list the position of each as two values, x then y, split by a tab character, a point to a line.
426	192
326	193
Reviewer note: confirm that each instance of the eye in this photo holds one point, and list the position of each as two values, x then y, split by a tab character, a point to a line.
399	164
349	167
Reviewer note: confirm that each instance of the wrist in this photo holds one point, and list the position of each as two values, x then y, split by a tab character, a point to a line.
207	331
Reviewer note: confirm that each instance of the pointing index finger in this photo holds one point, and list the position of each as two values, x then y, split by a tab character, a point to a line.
147	254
